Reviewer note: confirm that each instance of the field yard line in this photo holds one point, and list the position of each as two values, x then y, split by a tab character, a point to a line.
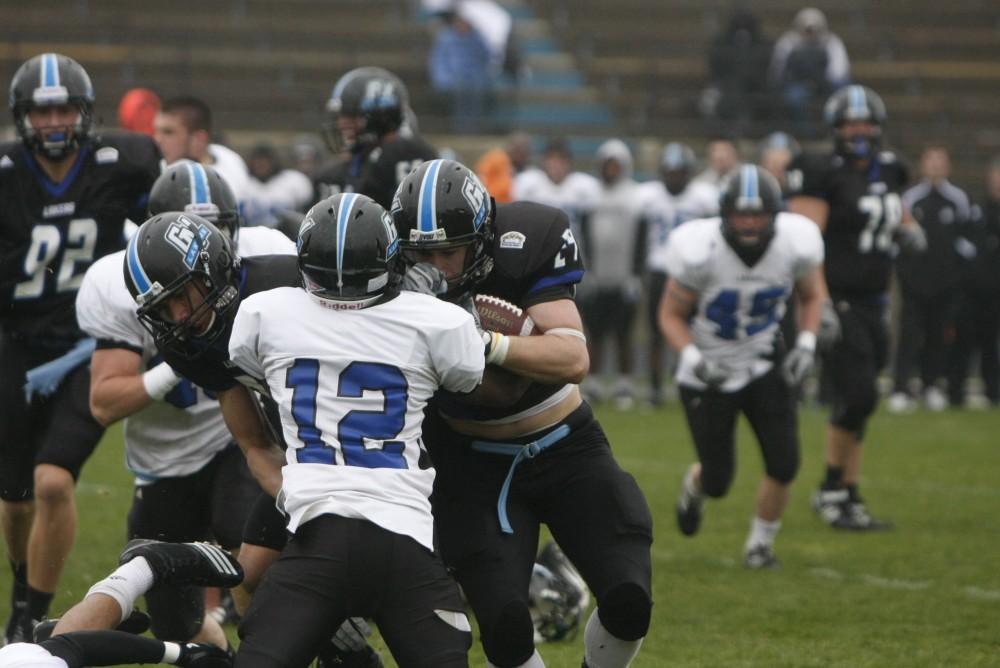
982	594
102	489
979	593
960	490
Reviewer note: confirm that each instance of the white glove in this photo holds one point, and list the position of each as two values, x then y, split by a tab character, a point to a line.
352	634
911	237
829	326
425	278
799	360
710	372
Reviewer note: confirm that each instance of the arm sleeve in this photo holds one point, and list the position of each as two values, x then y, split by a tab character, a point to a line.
457	353
806	180
107	314
557	267
243	342
104	648
679	266
808	249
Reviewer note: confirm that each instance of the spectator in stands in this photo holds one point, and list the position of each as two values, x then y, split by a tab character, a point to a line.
977	325
614	246
499	166
928	281
137	110
306	154
775	152
808	64
273	189
723	157
461	70
737	71
556	184
183	129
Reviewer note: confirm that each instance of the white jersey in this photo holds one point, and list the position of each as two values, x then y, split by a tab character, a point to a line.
740	307
351	386
232	168
181	434
665	212
577	194
612	235
288	190
28	655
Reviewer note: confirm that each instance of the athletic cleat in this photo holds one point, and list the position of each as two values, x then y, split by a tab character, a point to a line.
333	657
855	517
688	512
830	504
18	626
760	557
200	564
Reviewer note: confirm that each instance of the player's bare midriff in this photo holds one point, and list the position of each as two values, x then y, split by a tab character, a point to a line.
533	423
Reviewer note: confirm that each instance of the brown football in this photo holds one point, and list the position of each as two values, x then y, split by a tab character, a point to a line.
499	315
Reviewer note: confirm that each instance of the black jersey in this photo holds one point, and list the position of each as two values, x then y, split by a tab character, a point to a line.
536	260
211	368
865	210
377	172
51	233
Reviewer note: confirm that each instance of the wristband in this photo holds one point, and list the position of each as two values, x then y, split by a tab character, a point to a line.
568	331
806	340
159	380
496	347
171	650
690	356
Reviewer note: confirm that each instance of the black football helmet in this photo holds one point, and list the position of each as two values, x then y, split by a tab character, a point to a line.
349	252
750	190
677	162
855	103
376	96
166	254
443	204
195	188
48	80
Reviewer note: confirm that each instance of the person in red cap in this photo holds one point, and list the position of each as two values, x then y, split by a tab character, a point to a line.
137	109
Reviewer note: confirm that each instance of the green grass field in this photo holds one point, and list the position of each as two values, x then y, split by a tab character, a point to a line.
927	594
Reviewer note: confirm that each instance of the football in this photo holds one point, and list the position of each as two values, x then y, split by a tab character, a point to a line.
499	315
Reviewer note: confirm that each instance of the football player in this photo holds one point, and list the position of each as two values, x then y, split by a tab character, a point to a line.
364	125
86	635
188	281
729	281
502	471
66	194
671	200
853	195
191	481
351	363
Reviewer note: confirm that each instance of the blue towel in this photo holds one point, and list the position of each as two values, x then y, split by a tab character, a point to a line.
44	380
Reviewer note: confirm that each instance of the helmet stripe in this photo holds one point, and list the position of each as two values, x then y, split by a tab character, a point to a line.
200	194
857	101
50	71
343	220
751	189
427	204
135	269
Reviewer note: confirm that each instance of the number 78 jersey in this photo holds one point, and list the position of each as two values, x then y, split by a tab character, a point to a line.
351	387
740	307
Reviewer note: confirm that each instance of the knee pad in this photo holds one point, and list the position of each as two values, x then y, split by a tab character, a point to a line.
510	640
625	611
783	471
715	483
177	613
853	413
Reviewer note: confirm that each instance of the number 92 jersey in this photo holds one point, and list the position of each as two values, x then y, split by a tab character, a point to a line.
739	307
865	210
51	233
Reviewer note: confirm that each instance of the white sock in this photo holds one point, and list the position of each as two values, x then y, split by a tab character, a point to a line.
534	661
762	532
603	650
689	486
126	584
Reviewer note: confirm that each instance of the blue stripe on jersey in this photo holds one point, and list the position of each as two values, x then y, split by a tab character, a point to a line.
343	219
135	269
50	71
200	193
427	204
568	278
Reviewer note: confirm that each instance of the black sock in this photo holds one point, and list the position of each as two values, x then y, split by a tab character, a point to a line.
852	493
19	588
38	603
834	477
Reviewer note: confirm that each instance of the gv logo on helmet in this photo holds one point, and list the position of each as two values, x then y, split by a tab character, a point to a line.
188	238
475	194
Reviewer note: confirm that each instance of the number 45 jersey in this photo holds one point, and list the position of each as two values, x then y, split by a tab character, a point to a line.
51	233
740	307
351	386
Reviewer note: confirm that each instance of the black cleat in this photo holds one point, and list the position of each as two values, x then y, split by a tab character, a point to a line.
200	564
760	557
840	510
19	625
688	511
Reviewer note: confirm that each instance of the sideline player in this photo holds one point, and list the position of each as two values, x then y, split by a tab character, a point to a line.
85	635
66	194
853	195
730	278
545	457
191	479
364	127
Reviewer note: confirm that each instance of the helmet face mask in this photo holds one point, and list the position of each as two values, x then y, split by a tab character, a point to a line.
856	115
366	104
183	274
751	199
442	205
51	81
349	254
